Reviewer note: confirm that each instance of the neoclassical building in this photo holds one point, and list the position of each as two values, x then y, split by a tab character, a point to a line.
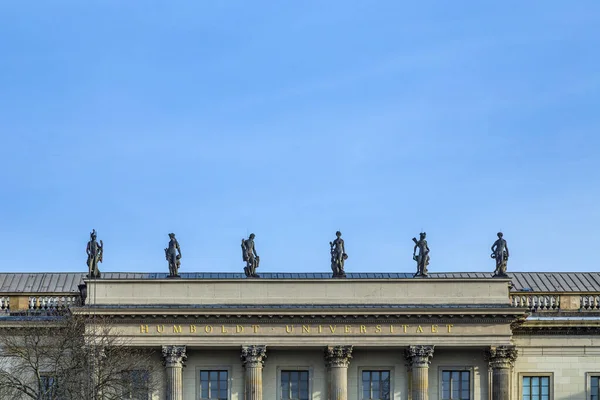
459	336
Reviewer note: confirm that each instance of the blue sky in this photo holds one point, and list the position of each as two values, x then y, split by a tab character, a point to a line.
293	120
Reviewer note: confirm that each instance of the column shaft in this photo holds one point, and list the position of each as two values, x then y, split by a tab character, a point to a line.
174	360
419	358
501	359
337	359
253	358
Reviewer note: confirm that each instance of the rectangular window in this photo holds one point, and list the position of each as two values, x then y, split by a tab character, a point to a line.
214	385
294	385
376	385
536	388
49	387
594	388
136	384
456	385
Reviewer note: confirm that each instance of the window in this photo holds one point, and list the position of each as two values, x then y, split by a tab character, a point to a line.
376	385
214	385
136	385
536	388
49	387
294	385
594	388
456	385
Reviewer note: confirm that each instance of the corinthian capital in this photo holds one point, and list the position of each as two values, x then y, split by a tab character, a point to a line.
419	356
174	356
501	356
338	356
254	355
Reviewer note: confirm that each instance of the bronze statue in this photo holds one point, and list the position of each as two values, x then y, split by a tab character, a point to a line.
94	252
500	254
250	257
338	256
173	256
423	258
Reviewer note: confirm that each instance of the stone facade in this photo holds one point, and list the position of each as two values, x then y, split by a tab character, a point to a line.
353	339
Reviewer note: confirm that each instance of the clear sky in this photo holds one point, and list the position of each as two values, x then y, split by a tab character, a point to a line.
215	119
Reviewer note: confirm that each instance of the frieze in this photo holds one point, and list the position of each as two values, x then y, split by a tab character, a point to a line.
302	329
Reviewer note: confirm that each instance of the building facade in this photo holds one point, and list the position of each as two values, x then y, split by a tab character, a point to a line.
465	336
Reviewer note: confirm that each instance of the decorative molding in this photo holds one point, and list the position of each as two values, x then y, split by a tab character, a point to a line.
174	356
338	356
253	356
501	356
419	356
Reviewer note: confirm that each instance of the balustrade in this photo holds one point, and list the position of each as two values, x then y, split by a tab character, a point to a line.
536	302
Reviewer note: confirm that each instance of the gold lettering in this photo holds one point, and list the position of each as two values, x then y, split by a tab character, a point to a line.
434	329
208	329
239	329
176	328
391	328
419	329
449	326
405	327
192	328
160	328
320	328
305	329
332	328
255	327
363	329
144	329
223	330
378	329
289	329
347	329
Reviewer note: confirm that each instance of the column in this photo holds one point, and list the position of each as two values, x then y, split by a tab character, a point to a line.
501	359
337	359
174	359
419	358
253	358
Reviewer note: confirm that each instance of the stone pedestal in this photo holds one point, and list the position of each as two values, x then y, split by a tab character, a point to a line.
419	358
501	359
337	359
253	357
174	359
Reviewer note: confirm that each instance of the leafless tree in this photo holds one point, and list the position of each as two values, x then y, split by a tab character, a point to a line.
72	357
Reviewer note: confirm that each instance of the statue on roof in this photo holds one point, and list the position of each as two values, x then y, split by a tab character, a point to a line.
423	258
173	256
250	257
338	256
94	252
500	254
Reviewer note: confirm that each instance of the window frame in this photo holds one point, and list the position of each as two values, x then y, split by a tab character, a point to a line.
534	374
129	372
310	370
362	369
54	394
213	368
588	383
456	368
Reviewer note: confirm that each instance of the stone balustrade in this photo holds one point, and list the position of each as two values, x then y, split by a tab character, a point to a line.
52	302
536	302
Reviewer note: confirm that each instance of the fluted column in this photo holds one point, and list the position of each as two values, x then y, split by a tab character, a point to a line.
174	358
337	359
419	358
253	357
501	359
